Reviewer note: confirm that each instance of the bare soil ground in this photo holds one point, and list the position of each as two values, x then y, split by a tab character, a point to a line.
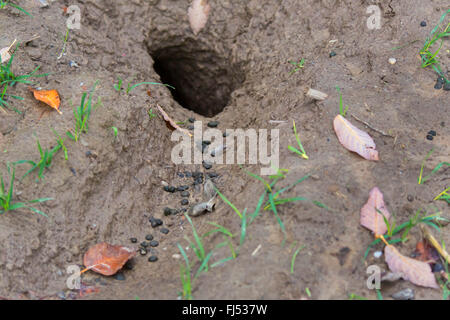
235	71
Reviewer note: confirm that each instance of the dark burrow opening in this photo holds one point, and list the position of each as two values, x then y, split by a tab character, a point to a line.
203	80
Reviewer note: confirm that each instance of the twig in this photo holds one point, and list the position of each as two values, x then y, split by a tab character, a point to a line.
427	235
374	129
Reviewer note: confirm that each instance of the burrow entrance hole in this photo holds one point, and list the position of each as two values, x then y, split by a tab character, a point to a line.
203	79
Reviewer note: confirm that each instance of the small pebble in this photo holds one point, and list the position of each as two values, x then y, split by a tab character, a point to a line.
172	189
154	243
164	230
206	142
129	265
155	222
392	60
213	175
153	259
143	251
377	254
185	194
423	24
191	120
332	54
144	244
207	165
180	174
432	132
119	276
225	134
437	267
182	188
430	137
191	127
149	237
213	124
167	212
133	240
410	198
406	294
184	202
188	174
447	86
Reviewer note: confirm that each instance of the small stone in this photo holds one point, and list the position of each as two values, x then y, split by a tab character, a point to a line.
149	237
180	174
377	254
167	211
225	134
154	243
206	142
184	202
119	276
432	132
129	265
410	198
406	294
143	251
430	137
423	24
437	267
153	259
207	165
155	222
172	189
133	240
185	194
191	127
188	174
332	54
191	120
182	188
438	85
392	61
447	86
144	244
164	230
213	124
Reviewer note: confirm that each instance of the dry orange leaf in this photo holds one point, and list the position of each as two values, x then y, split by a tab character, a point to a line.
198	15
355	139
370	217
415	271
107	259
171	122
49	97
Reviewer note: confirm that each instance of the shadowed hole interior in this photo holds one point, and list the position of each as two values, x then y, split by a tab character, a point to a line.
203	80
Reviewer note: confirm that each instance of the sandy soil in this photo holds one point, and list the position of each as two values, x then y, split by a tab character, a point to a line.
235	71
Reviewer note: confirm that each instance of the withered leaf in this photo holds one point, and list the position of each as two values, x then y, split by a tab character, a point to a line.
355	139
171	122
107	259
49	97
373	211
415	271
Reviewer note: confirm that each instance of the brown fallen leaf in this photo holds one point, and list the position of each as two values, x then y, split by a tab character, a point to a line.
355	139
415	271
107	259
370	217
198	15
49	97
171	122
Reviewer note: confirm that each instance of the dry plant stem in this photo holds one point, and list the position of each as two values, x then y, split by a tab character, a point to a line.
427	235
374	129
